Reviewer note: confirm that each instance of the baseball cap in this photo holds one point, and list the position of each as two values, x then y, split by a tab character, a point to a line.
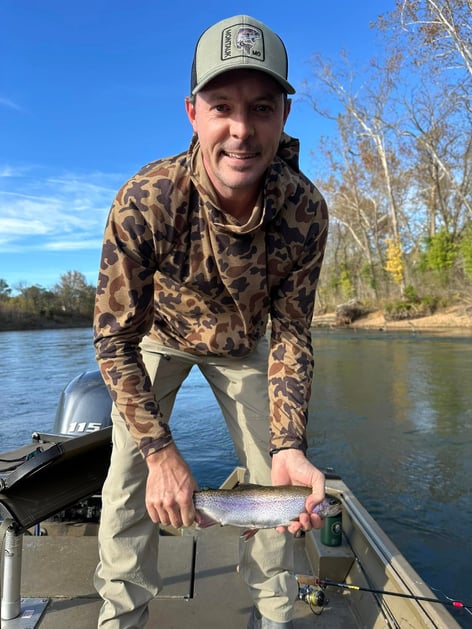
239	42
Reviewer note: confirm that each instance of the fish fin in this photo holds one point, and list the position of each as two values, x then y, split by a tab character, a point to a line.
205	525
203	521
247	534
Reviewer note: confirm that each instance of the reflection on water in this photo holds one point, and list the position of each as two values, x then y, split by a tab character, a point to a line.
393	415
35	367
391	412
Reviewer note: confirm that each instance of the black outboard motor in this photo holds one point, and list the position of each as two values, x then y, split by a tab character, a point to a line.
84	405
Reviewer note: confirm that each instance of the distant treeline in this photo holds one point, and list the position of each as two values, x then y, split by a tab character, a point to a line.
69	304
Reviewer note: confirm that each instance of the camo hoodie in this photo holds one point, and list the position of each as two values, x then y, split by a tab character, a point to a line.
178	269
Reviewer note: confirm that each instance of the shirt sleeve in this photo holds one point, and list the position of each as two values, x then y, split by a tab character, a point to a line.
123	315
291	361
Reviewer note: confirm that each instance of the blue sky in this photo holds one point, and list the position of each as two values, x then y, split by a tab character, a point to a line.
92	90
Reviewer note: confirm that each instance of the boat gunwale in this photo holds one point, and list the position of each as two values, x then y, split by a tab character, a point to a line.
361	530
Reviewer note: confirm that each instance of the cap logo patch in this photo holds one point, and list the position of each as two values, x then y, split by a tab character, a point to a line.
242	41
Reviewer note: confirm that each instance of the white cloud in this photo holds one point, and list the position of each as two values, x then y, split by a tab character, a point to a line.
17	226
9	171
74	245
59	212
5	102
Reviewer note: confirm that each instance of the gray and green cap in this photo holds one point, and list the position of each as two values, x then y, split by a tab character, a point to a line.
239	42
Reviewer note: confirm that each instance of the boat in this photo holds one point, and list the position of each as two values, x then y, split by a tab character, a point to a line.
50	509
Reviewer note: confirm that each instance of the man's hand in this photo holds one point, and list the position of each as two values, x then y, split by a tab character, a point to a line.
291	467
169	489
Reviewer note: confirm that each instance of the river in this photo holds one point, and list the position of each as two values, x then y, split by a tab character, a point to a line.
391	412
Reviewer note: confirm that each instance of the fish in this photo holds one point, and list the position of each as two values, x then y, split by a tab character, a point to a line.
255	507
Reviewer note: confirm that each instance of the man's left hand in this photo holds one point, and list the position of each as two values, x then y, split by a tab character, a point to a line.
291	467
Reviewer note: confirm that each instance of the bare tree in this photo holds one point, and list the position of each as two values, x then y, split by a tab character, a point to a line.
442	135
398	168
367	130
354	203
441	31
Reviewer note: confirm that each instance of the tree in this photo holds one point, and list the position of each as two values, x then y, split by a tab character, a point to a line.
35	300
397	170
367	122
438	34
439	255
74	294
394	262
354	207
5	290
441	139
440	31
465	249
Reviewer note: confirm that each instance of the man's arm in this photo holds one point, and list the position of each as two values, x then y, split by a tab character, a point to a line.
123	315
291	368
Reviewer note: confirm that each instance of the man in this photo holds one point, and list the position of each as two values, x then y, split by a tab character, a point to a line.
200	250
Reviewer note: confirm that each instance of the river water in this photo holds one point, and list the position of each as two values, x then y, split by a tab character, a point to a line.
390	412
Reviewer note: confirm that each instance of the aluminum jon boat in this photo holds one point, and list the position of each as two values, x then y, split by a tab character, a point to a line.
50	509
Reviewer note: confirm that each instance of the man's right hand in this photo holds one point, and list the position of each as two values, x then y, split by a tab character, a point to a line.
169	489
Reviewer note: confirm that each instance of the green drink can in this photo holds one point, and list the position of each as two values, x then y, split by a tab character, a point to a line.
332	531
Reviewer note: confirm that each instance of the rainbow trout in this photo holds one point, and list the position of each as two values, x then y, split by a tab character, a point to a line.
254	507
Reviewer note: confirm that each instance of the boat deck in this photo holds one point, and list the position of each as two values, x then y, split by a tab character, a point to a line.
201	586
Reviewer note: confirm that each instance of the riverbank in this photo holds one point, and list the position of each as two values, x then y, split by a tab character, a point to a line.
452	320
455	319
23	322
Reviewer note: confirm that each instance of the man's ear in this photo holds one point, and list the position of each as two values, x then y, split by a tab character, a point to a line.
190	109
287	108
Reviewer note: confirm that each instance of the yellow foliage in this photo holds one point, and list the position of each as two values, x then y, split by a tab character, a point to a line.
394	261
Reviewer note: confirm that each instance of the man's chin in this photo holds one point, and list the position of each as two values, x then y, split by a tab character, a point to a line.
244	175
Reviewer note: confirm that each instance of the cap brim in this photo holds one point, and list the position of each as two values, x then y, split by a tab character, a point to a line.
286	86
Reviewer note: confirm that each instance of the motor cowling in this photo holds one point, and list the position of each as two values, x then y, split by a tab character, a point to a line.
84	405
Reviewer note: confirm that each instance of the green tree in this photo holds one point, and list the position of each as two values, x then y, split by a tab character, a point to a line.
72	292
35	300
5	290
440	255
465	250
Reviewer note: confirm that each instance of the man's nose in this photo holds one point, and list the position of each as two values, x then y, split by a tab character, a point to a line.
241	126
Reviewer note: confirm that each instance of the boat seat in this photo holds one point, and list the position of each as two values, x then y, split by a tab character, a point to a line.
53	473
328	562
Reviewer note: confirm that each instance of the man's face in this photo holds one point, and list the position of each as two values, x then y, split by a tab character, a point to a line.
239	118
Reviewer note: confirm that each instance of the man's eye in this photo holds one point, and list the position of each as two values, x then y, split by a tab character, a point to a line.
221	107
263	108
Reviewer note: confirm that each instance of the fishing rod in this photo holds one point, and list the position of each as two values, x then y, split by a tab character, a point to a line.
308	580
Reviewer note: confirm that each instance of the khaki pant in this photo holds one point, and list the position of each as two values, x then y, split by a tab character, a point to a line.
127	577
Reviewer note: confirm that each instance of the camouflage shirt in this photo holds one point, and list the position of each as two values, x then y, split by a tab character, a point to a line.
177	268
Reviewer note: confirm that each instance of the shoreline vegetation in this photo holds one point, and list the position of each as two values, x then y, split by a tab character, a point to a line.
70	304
455	320
23	322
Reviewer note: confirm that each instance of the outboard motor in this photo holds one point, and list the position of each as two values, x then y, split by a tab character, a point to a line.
84	405
66	465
